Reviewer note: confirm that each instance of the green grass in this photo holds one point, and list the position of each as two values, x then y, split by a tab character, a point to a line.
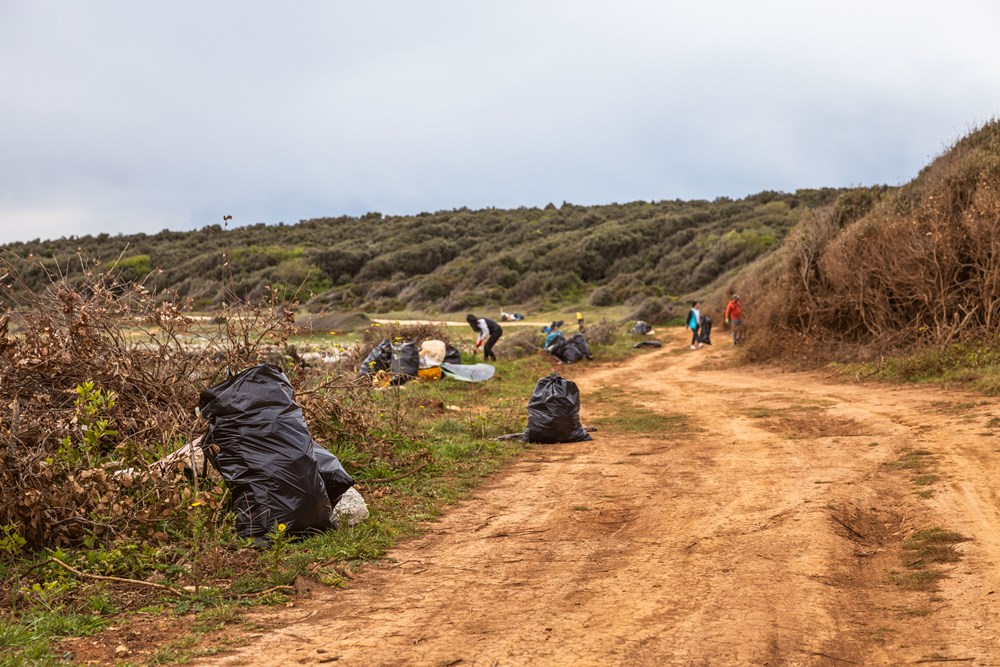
935	545
27	640
630	416
974	366
913	459
922	550
918	580
440	443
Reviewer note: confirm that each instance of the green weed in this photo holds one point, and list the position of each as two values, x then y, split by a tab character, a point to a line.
913	459
918	580
935	545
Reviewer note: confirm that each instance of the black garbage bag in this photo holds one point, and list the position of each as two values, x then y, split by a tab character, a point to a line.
336	480
379	359
557	348
570	350
579	341
265	453
641	328
648	343
452	355
554	412
706	330
405	362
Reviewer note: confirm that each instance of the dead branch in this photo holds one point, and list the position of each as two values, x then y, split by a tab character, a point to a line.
120	580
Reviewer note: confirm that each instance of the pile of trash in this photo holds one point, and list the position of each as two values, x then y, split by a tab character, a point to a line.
566	350
641	328
430	360
260	444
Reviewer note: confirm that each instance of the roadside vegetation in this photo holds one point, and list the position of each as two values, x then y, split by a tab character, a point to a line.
905	280
106	343
100	382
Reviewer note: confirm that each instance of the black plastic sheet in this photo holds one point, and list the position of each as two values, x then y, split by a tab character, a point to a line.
265	454
554	412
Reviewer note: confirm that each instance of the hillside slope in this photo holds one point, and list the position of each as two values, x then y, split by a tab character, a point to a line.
889	270
450	260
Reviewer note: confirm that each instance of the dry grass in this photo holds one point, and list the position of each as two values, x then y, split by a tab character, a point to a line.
887	270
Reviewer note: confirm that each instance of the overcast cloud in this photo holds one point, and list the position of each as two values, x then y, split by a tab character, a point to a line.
121	116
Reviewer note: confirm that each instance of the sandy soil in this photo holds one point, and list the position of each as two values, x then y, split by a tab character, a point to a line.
767	533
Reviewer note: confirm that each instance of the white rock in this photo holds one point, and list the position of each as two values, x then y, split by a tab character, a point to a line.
351	508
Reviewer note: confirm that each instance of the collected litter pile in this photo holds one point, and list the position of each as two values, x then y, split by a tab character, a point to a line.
260	443
566	350
570	350
553	413
641	328
400	363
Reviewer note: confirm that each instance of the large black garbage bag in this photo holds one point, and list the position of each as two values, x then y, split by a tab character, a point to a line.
452	355
570	350
336	480
557	348
265	453
706	330
379	359
405	362
579	341
554	412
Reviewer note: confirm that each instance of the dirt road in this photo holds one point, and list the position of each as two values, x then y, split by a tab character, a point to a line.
766	531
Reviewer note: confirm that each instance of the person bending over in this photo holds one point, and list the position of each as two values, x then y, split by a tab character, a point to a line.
487	330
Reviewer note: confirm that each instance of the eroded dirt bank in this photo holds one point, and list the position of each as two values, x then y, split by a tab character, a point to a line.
768	531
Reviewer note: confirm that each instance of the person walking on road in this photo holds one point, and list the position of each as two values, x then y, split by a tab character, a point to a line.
487	330
734	316
694	324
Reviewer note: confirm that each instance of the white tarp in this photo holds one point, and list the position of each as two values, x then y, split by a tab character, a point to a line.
469	372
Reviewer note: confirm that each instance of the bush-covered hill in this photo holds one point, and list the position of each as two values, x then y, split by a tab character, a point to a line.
883	271
450	260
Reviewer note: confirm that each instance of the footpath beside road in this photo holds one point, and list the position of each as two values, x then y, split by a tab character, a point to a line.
767	530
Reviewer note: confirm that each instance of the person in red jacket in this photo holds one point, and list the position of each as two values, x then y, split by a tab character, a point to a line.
734	316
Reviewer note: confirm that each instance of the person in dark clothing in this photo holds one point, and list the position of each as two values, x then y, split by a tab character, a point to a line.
486	330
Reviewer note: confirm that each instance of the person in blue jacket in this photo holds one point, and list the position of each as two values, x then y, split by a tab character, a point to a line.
694	324
487	331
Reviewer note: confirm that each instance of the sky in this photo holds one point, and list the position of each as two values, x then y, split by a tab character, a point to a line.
119	116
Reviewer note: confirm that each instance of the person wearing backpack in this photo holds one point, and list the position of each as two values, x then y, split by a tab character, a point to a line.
487	330
694	324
